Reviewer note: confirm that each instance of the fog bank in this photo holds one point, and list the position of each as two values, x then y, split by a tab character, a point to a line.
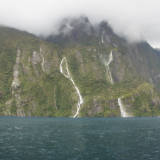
133	19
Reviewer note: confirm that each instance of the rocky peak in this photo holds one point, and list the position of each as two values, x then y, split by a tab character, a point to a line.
73	31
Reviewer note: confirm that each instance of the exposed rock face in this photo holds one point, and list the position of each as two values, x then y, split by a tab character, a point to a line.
32	84
97	106
80	61
118	68
113	104
103	108
73	31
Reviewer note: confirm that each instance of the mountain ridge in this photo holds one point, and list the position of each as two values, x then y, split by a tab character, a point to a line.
42	90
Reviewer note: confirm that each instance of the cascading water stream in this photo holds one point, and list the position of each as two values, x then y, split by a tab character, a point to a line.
102	40
15	86
123	113
108	63
42	59
80	100
16	81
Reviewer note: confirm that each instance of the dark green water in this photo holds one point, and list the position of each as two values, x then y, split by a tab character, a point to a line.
79	138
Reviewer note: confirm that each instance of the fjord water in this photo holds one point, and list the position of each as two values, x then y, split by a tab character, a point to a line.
79	138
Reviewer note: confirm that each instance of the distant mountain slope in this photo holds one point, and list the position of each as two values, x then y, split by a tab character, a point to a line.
143	60
157	49
112	76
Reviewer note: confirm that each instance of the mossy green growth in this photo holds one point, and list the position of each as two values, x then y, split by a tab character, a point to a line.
45	91
144	101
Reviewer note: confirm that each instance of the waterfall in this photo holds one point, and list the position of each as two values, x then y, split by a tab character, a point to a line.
80	100
34	62
15	86
42	59
16	82
123	113
108	63
102	40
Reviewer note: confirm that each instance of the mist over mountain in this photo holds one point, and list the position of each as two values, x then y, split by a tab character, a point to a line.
135	20
81	70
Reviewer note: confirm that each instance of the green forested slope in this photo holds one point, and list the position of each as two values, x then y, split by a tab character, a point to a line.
42	90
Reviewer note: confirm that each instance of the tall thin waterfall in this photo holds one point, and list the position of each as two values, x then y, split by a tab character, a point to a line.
123	113
102	40
108	71
42	60
16	81
15	86
80	100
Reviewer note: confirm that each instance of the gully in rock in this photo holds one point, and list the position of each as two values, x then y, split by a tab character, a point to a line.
80	100
123	113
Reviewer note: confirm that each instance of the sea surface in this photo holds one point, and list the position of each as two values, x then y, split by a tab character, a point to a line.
79	138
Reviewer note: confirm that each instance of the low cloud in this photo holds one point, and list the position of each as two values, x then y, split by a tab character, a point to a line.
133	19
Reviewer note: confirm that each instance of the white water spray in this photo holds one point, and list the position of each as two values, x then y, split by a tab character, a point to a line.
108	71
80	100
42	59
102	40
16	82
34	62
123	113
15	86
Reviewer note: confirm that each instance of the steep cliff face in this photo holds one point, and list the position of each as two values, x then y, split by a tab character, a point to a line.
35	85
143	102
89	72
74	31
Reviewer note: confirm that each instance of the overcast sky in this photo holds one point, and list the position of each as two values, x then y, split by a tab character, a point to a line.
135	19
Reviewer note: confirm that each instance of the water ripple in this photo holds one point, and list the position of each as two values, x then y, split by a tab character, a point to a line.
82	138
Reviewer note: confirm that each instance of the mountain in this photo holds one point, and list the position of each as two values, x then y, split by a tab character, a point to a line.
157	49
84	70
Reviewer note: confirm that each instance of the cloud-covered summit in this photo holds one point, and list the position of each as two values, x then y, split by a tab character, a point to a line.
133	19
